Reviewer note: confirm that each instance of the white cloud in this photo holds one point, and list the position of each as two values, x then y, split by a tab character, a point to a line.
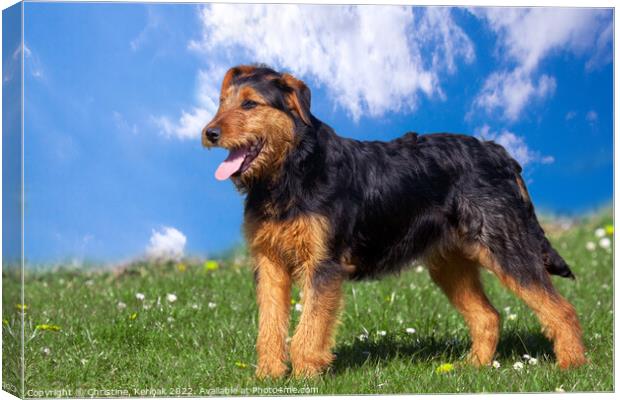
369	58
570	115
449	41
515	145
592	116
166	244
526	36
190	123
512	91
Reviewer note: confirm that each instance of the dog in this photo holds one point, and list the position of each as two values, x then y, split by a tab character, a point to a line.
321	209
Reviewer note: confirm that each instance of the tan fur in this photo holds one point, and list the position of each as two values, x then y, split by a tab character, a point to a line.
299	244
522	189
232	72
556	315
273	292
294	248
295	102
459	279
314	336
239	128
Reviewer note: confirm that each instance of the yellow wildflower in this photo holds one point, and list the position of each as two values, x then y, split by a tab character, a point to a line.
181	267
444	368
211	265
133	316
48	327
241	365
293	302
5	321
21	307
609	229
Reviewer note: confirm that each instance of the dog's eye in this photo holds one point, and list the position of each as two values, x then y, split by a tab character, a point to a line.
248	104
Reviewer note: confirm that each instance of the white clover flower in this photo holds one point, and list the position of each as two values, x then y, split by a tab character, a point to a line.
171	297
170	320
511	317
140	296
363	337
590	246
419	269
507	310
46	351
532	361
605	243
121	305
526	357
496	364
599	233
518	366
410	331
195	306
298	307
381	333
211	305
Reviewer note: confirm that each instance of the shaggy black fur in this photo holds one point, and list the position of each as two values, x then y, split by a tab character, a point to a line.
389	203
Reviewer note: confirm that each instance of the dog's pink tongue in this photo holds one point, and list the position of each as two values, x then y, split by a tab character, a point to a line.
231	164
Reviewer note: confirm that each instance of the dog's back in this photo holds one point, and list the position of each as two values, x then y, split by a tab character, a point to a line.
398	200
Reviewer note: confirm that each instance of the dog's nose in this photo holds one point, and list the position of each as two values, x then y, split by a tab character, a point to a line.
213	134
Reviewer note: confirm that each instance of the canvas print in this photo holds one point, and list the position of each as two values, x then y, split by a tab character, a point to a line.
294	199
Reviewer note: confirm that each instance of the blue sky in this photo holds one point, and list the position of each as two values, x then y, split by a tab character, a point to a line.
116	94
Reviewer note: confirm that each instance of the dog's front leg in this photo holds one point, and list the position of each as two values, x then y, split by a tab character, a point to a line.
314	336
273	287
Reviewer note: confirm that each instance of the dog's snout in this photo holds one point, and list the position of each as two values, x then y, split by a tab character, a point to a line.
212	134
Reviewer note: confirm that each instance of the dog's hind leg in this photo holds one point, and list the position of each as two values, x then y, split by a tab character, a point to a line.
556	315
459	279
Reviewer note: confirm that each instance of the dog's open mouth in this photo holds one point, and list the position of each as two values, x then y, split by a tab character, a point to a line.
238	161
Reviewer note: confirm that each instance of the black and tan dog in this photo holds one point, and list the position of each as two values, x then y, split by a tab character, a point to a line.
321	209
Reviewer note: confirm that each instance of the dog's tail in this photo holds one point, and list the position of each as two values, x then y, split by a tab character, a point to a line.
554	263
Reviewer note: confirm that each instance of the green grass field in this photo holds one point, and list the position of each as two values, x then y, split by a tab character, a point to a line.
88	331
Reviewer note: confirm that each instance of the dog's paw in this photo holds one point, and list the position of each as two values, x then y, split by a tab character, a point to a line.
476	360
275	369
311	366
568	360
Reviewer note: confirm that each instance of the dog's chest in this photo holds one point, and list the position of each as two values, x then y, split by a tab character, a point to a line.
298	244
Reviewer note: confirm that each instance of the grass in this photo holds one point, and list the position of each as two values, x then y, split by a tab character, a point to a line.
203	343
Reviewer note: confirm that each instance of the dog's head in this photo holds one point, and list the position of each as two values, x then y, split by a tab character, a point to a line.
259	113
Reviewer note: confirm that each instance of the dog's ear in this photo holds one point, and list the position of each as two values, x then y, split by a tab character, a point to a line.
299	97
233	73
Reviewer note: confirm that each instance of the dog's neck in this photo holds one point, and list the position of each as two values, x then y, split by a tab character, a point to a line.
283	194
